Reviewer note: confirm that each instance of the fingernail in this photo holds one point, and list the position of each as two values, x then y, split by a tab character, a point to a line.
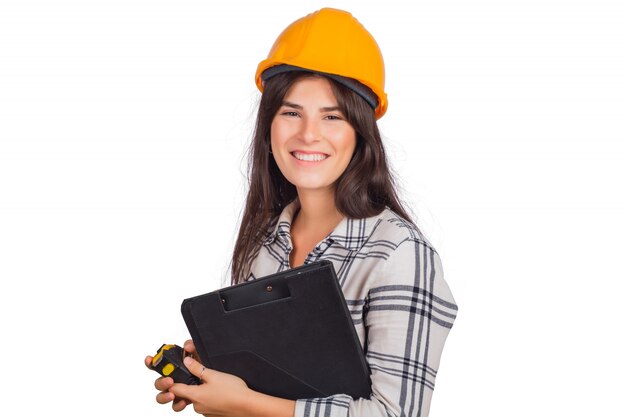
187	360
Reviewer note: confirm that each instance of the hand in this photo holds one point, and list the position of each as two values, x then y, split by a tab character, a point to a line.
219	394
163	384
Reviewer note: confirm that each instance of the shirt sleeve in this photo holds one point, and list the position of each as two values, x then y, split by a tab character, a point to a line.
408	314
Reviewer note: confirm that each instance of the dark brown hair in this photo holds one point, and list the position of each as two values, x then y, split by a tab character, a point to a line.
364	189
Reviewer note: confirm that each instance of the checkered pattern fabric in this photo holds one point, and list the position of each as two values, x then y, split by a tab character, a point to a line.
402	308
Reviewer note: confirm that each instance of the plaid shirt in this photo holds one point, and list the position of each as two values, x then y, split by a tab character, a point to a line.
401	306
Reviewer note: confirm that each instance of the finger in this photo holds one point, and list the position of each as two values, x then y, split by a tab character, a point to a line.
189	346
185	392
163	383
148	362
180	404
165	397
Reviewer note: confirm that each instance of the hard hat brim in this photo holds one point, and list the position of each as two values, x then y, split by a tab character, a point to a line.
363	91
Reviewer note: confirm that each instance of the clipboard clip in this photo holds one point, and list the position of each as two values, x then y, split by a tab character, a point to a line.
254	293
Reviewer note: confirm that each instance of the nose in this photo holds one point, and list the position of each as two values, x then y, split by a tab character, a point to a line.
310	130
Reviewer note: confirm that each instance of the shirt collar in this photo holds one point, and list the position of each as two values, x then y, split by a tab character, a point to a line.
349	233
282	227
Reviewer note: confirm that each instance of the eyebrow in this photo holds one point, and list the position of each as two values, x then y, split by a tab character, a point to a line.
299	107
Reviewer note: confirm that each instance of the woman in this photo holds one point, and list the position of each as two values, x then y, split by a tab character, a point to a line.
320	188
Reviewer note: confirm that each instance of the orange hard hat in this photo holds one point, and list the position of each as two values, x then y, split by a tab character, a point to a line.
331	42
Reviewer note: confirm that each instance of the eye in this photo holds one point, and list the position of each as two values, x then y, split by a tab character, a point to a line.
290	113
333	117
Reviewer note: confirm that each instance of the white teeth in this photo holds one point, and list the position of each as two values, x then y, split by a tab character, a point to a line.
309	157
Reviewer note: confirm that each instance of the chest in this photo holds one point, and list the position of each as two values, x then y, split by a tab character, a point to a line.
355	271
306	245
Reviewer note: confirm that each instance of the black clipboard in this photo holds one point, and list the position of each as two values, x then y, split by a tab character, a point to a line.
288	334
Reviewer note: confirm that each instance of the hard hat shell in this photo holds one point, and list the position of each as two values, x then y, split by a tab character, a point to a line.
330	41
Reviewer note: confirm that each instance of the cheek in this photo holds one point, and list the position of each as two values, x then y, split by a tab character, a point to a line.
278	135
348	146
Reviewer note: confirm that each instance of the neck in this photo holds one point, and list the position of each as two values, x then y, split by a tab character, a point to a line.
318	209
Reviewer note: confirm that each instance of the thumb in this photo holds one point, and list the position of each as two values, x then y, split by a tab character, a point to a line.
188	392
195	367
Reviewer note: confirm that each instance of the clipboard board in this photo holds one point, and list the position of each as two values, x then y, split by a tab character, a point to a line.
288	334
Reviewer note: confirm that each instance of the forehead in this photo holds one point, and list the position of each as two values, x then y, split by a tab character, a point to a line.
311	90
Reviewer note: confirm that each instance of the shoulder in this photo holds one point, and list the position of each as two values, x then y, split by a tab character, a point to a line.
381	249
410	278
394	230
408	257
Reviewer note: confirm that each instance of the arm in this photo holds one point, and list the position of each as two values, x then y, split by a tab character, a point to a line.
408	314
220	394
223	394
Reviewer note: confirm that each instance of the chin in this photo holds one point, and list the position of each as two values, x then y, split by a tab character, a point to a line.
308	186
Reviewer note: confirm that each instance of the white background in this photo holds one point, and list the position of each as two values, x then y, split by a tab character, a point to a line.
123	127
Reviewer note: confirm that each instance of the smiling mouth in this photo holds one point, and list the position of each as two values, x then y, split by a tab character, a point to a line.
309	157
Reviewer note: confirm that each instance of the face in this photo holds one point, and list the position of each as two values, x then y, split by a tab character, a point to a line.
311	140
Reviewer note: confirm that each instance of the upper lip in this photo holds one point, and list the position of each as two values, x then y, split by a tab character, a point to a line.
309	152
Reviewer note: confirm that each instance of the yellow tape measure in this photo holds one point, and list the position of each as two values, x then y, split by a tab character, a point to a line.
169	362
